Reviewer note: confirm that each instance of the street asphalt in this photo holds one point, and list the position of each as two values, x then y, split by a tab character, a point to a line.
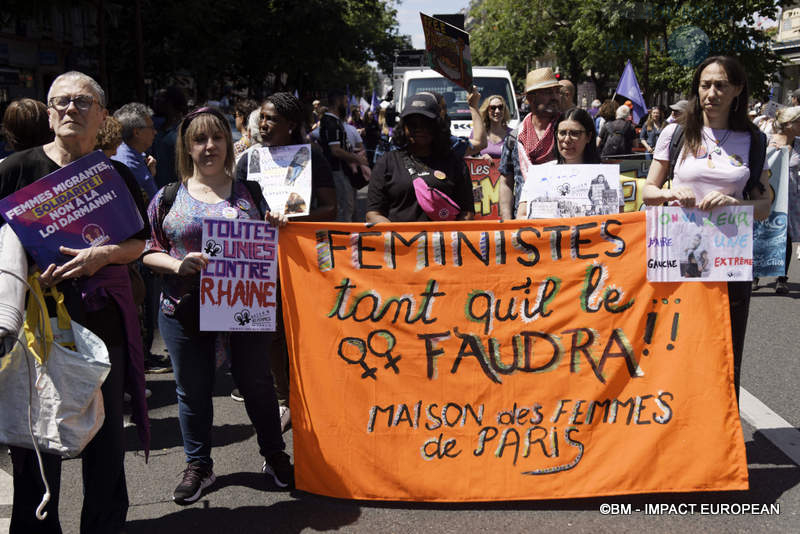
242	500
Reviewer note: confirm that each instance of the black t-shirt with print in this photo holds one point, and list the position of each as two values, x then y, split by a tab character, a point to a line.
331	130
391	192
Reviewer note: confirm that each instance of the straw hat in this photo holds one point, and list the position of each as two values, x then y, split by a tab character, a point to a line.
540	79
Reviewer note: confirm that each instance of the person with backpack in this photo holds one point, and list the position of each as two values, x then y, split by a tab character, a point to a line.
617	136
204	153
715	157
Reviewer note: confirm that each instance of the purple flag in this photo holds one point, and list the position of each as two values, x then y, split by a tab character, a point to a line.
629	88
374	102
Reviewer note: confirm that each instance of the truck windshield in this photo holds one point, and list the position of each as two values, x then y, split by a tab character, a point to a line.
456	97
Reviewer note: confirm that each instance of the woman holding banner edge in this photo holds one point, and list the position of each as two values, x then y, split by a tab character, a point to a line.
204	153
423	180
281	120
712	167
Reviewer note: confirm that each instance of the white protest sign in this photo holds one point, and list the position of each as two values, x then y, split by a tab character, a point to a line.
284	173
239	284
691	245
556	191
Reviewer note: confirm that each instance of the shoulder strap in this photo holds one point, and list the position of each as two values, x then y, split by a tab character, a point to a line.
675	146
413	167
758	153
166	201
258	196
511	138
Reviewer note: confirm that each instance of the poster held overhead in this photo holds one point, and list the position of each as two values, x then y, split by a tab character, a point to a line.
448	51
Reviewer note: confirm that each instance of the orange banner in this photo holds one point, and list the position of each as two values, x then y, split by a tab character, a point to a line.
480	361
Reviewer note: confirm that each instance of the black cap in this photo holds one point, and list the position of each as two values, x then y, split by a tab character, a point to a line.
424	104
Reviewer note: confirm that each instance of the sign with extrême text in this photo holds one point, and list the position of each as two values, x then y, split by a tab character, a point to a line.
692	245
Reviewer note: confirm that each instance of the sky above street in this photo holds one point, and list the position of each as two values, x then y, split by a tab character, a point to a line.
408	15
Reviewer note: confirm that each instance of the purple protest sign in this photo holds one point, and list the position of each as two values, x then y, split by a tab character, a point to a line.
83	204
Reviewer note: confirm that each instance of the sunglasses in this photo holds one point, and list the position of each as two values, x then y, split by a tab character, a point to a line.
496	108
573	134
61	103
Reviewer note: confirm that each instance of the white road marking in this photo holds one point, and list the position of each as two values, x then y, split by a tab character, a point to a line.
6	489
772	426
6	498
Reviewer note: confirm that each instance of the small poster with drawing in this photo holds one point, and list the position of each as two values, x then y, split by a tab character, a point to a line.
558	191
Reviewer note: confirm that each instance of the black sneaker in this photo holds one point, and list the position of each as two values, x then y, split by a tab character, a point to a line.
280	468
196	478
782	285
154	364
755	283
235	395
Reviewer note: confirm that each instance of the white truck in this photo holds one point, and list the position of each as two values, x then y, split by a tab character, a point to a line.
489	81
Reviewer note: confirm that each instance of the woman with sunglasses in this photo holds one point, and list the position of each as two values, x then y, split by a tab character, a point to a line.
204	153
495	116
423	179
575	144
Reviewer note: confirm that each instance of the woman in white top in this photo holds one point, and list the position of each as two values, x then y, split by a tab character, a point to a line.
712	169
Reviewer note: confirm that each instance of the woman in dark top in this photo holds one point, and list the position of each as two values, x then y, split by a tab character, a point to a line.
423	142
97	293
280	124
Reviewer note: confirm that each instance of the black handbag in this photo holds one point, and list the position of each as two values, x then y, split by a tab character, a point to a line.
187	312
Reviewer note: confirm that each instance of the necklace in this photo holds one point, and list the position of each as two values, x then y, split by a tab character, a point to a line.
717	148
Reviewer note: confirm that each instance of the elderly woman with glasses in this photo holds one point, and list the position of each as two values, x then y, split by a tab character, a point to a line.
97	293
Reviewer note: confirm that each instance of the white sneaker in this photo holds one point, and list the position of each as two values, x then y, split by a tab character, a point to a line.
286	417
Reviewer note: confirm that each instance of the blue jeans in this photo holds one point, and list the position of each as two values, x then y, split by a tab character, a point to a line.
193	361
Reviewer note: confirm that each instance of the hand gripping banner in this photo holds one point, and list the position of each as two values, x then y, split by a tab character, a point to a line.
481	361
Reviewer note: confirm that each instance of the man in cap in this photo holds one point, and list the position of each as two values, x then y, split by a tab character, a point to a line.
678	109
795	97
533	140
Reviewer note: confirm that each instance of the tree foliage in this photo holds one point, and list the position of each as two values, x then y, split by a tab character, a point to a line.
592	39
317	43
310	44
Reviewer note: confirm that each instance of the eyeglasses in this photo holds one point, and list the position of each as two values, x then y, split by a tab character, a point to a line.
496	108
61	103
573	134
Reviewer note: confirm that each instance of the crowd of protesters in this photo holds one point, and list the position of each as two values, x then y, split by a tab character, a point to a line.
185	165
